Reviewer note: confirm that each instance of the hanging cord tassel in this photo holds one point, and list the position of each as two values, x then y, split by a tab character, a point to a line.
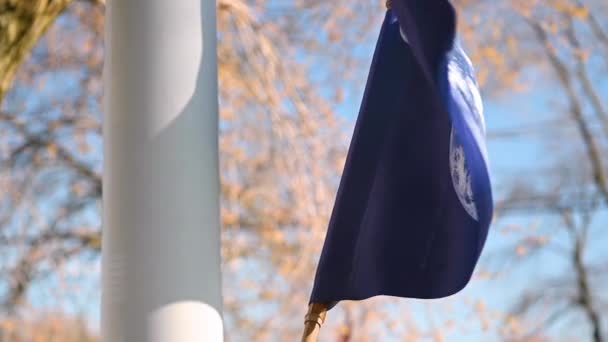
313	321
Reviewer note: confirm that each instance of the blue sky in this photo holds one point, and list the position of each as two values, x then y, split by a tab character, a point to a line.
511	158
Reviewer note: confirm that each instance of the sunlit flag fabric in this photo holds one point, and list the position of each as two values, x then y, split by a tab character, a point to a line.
414	204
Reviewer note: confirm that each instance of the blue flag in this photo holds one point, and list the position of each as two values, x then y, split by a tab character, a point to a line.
415	203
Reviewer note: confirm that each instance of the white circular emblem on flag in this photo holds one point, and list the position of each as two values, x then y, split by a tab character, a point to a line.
464	86
461	178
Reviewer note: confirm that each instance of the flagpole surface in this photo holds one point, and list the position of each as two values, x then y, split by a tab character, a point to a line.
313	321
161	242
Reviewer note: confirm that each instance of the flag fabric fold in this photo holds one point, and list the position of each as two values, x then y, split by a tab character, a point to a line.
415	203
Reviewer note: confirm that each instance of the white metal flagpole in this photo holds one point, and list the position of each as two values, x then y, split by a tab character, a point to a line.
161	277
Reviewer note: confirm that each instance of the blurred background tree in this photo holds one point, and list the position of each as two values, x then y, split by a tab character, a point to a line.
291	78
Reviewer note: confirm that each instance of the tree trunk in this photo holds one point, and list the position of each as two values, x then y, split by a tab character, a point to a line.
22	24
585	299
